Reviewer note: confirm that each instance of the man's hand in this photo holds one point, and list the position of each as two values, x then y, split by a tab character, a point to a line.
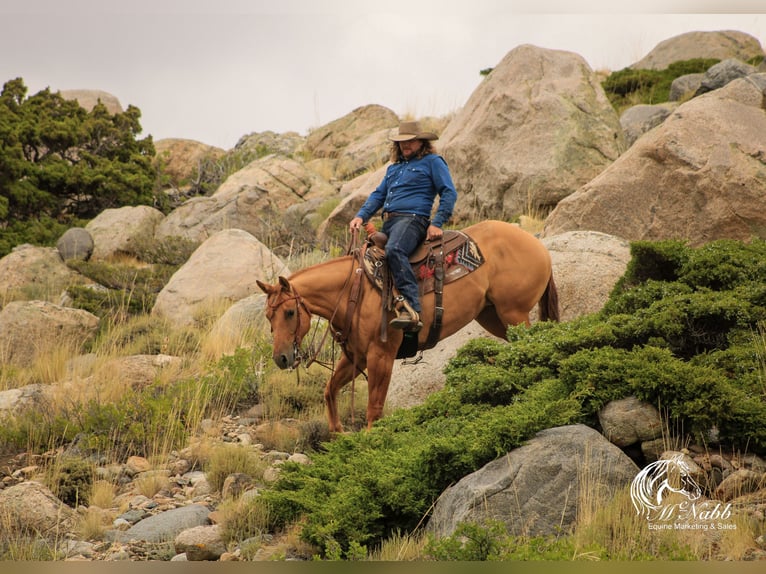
433	232
355	224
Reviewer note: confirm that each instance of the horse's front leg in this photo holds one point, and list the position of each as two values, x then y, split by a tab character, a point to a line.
343	373
380	363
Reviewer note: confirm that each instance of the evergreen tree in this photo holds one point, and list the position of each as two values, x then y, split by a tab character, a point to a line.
60	164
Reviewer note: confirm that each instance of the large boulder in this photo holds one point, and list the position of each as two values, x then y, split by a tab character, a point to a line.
714	45
75	243
288	143
586	266
253	199
240	323
698	176
181	159
413	381
32	328
221	271
123	230
536	129
720	74
535	489
37	272
30	508
331	139
89	98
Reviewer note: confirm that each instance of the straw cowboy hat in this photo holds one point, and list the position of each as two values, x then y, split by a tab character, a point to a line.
412	131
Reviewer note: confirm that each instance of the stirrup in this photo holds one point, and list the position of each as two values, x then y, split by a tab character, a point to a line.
406	318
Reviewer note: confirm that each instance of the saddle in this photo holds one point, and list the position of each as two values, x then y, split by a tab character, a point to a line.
435	264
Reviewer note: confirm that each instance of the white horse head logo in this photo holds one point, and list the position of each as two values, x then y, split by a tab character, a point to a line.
659	479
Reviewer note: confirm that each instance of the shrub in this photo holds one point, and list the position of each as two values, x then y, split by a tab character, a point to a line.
629	86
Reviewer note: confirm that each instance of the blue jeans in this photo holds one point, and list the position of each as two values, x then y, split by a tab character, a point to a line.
405	233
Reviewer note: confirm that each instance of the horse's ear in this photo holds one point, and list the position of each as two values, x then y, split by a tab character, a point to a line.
285	284
268	289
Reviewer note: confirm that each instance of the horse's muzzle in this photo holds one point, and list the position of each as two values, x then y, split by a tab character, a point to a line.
288	359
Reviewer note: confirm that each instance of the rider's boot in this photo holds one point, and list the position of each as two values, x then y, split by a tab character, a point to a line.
406	318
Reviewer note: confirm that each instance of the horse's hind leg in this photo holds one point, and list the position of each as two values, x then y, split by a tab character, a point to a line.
344	372
497	323
491	322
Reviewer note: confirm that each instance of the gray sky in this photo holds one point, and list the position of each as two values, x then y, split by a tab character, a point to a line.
215	70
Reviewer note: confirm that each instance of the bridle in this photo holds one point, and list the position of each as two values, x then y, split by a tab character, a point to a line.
298	304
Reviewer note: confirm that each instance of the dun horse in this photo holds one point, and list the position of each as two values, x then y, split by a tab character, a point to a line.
515	275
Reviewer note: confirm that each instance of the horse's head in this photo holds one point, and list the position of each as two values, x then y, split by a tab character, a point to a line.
290	320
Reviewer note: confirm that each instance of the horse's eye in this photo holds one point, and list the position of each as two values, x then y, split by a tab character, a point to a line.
290	313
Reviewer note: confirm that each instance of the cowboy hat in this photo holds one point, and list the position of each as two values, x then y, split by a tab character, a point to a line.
412	131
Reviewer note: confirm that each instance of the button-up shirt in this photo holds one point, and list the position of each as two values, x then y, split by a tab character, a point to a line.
411	187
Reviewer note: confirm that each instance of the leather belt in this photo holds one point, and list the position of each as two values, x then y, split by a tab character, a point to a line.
389	214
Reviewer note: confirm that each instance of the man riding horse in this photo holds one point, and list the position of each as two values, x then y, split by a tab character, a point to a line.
406	195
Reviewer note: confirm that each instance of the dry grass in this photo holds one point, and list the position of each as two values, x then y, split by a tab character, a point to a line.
400	548
102	494
151	482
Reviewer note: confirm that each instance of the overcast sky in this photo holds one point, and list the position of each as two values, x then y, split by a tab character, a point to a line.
215	70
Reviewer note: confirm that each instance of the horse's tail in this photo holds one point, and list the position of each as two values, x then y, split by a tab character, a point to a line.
548	306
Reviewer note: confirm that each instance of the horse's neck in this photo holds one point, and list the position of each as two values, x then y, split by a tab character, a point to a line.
324	287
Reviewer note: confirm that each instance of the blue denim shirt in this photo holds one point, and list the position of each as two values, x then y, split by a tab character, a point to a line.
412	187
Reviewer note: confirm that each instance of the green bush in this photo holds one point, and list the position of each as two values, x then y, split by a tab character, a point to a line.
630	86
71	479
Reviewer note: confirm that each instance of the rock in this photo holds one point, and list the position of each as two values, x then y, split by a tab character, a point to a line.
253	199
75	243
637	120
49	326
137	464
89	98
124	230
537	128
412	383
181	159
166	525
35	271
535	488
241	321
221	271
740	482
712	45
200	543
722	73
331	140
629	421
299	458
31	507
354	194
699	176
235	484
685	86
15	400
586	266
287	144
